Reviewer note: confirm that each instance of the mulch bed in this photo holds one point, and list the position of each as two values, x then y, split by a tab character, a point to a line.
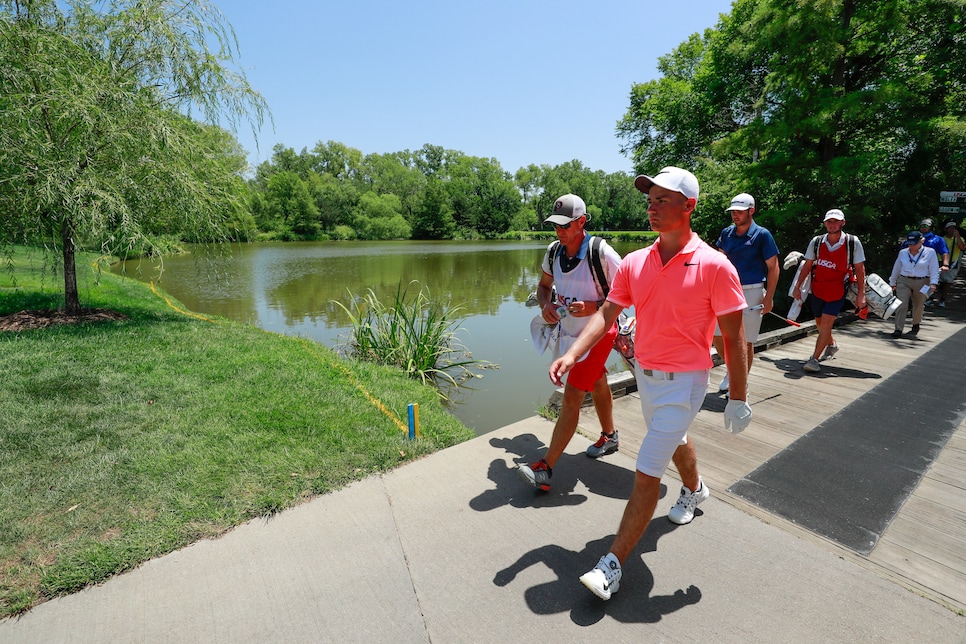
25	320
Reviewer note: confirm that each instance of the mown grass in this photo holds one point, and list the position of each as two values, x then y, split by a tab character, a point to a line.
123	441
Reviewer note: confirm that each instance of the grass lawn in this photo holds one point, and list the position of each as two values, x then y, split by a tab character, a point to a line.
125	440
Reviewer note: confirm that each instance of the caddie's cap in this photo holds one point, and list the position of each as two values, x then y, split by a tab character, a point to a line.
566	209
834	213
926	222
744	201
670	178
951	223
914	237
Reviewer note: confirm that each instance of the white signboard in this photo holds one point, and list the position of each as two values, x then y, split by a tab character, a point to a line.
952	204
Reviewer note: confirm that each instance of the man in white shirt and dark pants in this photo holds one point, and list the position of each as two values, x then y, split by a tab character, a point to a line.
915	276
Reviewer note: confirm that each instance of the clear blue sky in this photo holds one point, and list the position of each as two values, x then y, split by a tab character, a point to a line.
521	81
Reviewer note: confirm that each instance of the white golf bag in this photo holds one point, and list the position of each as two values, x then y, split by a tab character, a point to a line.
878	295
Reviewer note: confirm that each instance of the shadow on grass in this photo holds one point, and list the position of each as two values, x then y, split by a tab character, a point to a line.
15	300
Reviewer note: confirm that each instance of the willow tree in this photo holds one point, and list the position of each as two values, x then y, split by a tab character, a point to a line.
112	125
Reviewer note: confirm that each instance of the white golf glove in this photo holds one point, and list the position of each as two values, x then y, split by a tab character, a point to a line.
737	415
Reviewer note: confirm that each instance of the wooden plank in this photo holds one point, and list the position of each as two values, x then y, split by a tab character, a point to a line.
925	572
944	552
930	516
947	497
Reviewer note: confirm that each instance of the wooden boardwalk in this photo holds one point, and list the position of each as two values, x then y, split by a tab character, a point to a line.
924	547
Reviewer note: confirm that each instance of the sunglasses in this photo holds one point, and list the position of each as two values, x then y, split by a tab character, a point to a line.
563	227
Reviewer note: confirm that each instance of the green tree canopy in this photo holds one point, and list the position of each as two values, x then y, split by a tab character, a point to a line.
337	160
378	217
289	208
433	218
334	199
814	105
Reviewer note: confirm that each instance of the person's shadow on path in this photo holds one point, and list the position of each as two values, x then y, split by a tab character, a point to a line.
599	476
794	369
632	603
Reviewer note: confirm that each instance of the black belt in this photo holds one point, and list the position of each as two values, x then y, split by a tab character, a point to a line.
914	277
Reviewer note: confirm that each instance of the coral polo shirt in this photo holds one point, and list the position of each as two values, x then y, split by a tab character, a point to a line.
677	303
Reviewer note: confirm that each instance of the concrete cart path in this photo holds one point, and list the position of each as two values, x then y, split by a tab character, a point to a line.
454	548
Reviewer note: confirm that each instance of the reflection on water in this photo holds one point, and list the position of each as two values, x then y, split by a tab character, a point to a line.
289	288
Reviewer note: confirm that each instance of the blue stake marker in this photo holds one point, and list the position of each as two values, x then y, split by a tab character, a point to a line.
413	420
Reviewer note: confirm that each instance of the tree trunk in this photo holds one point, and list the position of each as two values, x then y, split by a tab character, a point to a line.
71	299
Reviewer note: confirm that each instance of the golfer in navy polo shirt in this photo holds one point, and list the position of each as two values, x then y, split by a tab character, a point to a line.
752	250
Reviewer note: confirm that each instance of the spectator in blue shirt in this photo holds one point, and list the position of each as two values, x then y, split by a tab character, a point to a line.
752	250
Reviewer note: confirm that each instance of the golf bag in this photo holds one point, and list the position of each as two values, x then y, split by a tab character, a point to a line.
878	295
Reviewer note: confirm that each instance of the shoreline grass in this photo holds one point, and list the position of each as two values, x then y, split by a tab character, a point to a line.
123	441
644	237
413	333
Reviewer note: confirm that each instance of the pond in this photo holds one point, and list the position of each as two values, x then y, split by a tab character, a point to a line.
291	288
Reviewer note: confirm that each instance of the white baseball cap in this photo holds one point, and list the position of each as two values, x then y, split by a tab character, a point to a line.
670	178
834	213
566	209
744	201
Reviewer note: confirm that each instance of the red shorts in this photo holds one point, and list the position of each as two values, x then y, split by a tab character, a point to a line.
589	370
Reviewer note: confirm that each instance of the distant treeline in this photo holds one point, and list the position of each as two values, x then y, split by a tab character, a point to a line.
336	192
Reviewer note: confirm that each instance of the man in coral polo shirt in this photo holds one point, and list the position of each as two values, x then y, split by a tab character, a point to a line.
679	287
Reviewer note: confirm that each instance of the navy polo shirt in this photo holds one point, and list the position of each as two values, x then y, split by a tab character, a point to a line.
748	252
933	241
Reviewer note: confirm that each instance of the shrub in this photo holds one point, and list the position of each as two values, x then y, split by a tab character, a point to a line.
415	334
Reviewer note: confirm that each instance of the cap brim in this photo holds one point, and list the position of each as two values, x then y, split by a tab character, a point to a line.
643	183
559	219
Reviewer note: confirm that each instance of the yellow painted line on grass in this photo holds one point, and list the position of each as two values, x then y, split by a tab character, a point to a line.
182	311
348	374
314	351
